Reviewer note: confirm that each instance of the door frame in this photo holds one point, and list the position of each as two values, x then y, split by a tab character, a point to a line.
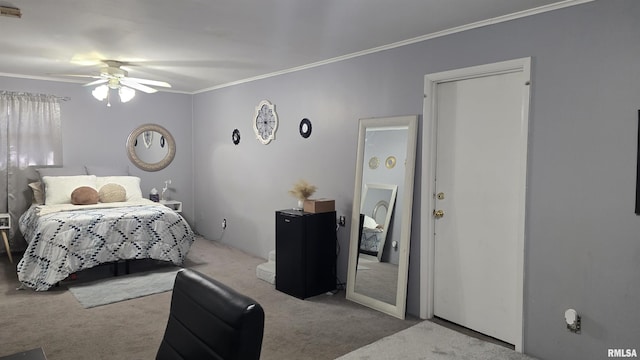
429	138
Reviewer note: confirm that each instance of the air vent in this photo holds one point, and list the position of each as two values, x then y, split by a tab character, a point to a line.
10	12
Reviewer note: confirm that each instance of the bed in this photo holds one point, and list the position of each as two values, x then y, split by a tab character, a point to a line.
371	236
64	238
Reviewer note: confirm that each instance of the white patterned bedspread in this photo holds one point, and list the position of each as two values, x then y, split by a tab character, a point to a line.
64	242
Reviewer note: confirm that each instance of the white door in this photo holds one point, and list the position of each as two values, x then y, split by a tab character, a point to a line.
480	191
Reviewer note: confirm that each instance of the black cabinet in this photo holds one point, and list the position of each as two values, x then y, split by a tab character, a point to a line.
305	252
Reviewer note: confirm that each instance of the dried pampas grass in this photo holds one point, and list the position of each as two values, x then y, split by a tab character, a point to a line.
302	190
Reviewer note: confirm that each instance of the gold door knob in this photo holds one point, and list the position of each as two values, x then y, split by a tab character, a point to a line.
438	214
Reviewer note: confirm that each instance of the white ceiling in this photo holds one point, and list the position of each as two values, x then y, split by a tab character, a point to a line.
202	44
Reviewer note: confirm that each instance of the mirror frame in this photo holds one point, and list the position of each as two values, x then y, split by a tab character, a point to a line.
399	308
131	150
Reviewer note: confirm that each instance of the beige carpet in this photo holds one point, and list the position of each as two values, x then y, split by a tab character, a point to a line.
323	327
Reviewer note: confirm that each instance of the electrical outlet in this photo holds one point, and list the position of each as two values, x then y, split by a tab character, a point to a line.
341	221
224	224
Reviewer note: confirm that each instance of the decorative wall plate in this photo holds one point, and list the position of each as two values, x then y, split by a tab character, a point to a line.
374	162
265	122
390	162
235	136
305	128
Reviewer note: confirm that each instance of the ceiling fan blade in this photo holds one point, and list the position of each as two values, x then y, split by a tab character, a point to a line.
137	86
99	81
150	82
78	75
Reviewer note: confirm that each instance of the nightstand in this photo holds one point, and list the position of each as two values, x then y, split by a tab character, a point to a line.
173	205
5	225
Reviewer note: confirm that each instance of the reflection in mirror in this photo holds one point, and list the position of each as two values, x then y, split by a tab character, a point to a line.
377	277
381	218
377	207
151	147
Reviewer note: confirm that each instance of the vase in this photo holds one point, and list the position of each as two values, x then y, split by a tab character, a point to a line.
300	204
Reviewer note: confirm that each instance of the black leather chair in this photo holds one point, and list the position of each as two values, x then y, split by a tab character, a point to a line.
209	320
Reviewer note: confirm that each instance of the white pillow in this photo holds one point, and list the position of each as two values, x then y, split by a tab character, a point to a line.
370	223
62	171
131	184
58	189
38	192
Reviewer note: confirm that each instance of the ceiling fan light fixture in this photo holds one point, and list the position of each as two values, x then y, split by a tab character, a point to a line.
112	77
101	92
126	94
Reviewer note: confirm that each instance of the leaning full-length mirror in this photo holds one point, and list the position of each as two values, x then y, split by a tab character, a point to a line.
381	216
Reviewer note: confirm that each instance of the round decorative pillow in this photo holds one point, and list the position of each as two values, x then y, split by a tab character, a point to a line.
112	193
84	195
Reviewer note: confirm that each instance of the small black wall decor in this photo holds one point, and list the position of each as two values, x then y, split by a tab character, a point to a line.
638	170
235	136
305	128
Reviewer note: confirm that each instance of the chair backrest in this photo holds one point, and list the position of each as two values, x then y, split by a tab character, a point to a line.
209	320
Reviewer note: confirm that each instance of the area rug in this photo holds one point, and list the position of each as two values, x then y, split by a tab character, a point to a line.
430	341
124	287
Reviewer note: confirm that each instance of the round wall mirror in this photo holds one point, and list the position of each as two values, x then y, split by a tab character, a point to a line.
151	147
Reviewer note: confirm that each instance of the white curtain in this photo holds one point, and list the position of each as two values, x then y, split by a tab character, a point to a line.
30	136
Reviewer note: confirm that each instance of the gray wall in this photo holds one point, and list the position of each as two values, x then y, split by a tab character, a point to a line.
582	242
94	134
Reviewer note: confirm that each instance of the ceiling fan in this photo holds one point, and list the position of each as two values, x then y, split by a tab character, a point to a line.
113	77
